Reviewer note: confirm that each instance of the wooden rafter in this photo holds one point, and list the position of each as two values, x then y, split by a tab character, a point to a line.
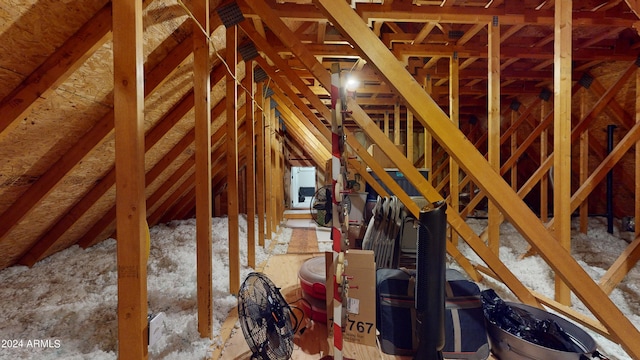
55	69
89	141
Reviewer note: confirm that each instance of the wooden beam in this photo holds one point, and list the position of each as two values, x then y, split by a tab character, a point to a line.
584	163
544	154
428	140
493	131
473	15
260	175
232	159
273	144
396	124
386	123
361	37
454	116
621	267
55	69
268	129
300	111
410	136
318	152
132	250
637	167
599	173
634	5
202	108
562	136
251	166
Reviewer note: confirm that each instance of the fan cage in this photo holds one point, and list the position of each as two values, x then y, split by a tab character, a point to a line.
265	318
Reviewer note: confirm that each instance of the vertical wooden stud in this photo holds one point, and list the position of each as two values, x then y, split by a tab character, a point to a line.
273	127
544	154
637	172
202	111
260	152
130	179
386	123
268	168
514	147
232	158
562	135
493	136
428	139
454	115
410	135
584	163
396	124
251	166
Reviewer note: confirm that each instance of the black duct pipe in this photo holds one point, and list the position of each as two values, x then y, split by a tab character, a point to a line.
430	282
610	130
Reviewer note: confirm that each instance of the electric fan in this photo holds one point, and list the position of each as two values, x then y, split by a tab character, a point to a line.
322	206
265	318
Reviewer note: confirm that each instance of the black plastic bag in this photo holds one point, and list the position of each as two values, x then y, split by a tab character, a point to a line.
521	323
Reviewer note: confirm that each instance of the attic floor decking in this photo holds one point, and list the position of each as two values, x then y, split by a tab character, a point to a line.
283	271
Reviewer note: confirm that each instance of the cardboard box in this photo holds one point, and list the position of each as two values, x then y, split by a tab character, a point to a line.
359	304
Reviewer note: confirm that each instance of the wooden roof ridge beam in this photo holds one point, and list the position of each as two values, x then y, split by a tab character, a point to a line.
55	69
85	144
351	26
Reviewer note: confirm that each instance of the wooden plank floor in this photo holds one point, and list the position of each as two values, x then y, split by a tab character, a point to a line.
313	343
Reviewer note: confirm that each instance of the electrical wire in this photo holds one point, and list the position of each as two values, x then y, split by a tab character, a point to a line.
303	313
215	51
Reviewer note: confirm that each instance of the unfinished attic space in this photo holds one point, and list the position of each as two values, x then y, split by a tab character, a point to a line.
164	164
